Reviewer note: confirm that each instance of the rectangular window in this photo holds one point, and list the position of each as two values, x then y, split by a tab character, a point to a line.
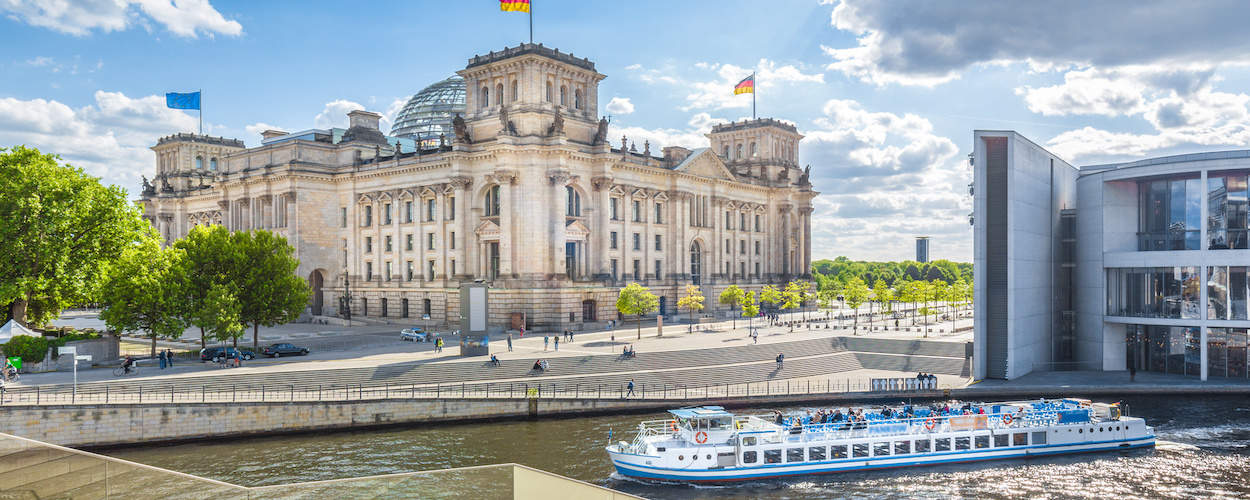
757	248
742	269
742	247
922	446
637	269
1154	292
408	242
794	454
368	215
881	449
658	271
429	270
429	210
1020	439
388	270
1039	437
728	248
368	244
659	213
386	214
837	451
963	443
757	222
942	444
453	267
451	242
429	241
982	442
902	447
742	221
615	270
757	269
407	212
1169	213
658	239
637	241
637	206
614	204
860	449
612	240
749	457
343	211
1001	440
728	221
451	208
368	271
772	456
408	271
816	453
388	243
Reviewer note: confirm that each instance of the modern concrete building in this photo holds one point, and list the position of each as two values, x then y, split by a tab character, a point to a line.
525	192
1140	265
922	249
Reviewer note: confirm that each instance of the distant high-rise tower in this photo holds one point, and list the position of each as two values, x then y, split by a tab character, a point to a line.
922	249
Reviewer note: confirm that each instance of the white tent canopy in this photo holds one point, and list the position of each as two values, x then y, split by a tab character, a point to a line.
14	329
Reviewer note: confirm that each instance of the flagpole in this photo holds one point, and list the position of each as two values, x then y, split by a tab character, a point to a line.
531	22
201	110
755	83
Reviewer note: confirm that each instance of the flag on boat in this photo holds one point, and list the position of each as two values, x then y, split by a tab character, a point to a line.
514	5
746	86
187	100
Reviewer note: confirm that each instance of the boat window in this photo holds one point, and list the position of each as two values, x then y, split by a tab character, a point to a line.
1019	439
1039	437
794	454
1001	440
881	449
982	442
772	456
816	453
943	444
861	450
902	447
838	451
748	441
962	443
922	446
749	457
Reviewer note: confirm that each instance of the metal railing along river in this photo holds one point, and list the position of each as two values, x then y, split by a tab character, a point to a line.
121	394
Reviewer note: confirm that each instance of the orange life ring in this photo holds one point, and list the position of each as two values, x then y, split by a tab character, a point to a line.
1007	419
930	424
700	437
672	424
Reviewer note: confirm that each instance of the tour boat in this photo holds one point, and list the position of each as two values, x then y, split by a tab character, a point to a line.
709	444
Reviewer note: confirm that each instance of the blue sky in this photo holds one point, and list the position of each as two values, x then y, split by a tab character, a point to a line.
887	93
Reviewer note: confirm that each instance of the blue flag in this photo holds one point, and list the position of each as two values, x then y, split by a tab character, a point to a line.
189	100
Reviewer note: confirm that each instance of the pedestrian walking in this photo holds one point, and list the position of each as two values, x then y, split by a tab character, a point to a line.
630	386
161	357
509	342
545	340
570	335
169	358
557	344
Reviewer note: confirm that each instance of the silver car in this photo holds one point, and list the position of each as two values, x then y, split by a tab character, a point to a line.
414	335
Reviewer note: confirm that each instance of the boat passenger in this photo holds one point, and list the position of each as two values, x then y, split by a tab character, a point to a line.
779	419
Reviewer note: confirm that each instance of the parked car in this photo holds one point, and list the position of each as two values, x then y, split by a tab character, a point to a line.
216	353
414	335
280	350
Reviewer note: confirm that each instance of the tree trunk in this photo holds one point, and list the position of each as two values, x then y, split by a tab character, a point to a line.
17	311
153	345
255	335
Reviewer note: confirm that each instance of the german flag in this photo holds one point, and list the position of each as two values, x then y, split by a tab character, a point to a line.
746	86
514	5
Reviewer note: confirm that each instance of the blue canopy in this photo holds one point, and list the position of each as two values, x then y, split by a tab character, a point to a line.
701	412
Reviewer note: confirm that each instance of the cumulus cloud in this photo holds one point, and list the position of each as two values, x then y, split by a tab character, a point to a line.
693	136
109	139
927	43
620	106
184	18
712	87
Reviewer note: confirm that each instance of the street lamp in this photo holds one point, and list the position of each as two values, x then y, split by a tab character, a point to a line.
345	301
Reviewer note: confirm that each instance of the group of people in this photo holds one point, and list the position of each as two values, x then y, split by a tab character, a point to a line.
547	339
927	380
167	358
628	351
541	365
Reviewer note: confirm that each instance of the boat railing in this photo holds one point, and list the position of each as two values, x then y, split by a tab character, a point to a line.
921	425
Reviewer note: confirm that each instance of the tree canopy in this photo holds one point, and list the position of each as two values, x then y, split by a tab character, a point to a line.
692	301
840	270
142	291
637	300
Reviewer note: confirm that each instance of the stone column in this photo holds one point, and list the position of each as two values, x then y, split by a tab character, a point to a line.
558	180
507	222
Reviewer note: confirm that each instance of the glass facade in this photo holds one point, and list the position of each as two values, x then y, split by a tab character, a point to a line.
428	114
1226	352
1169	214
1154	292
1226	292
1226	210
1164	349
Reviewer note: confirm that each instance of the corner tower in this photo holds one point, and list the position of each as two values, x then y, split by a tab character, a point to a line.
763	148
520	90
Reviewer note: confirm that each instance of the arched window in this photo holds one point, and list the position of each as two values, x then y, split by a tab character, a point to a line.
548	91
753	155
492	201
564	95
696	263
515	93
738	152
485	98
212	164
499	94
573	202
577	98
199	162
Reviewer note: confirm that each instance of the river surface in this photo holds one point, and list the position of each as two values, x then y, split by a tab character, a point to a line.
1203	452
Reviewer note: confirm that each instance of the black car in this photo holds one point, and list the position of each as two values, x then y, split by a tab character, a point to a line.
214	353
279	350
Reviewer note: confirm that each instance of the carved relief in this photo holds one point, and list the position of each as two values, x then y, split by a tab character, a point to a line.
558	177
600	182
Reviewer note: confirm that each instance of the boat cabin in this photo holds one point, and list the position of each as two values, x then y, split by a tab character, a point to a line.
705	424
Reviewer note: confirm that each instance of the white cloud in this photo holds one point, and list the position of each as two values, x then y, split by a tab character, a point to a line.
715	91
334	114
109	139
620	106
633	67
38	61
184	18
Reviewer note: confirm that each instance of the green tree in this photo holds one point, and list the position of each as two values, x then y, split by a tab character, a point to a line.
59	228
934	291
912	293
218	314
636	300
692	301
750	308
792	297
771	295
269	292
732	296
208	260
884	295
142	292
856	293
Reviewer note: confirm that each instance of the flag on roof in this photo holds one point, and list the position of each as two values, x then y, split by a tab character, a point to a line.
514	5
188	100
746	86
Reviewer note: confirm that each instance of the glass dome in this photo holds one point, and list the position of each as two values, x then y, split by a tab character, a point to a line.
428	114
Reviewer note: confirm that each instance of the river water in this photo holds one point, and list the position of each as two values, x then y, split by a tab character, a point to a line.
1203	452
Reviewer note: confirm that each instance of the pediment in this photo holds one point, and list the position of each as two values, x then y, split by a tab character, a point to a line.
705	163
385	197
660	196
576	230
364	198
640	194
405	194
426	192
616	191
487	230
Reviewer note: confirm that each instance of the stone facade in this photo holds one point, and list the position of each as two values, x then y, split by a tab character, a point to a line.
528	195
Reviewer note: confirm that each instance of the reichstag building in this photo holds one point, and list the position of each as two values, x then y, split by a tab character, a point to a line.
503	173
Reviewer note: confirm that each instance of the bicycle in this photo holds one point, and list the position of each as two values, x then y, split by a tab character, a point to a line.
121	370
